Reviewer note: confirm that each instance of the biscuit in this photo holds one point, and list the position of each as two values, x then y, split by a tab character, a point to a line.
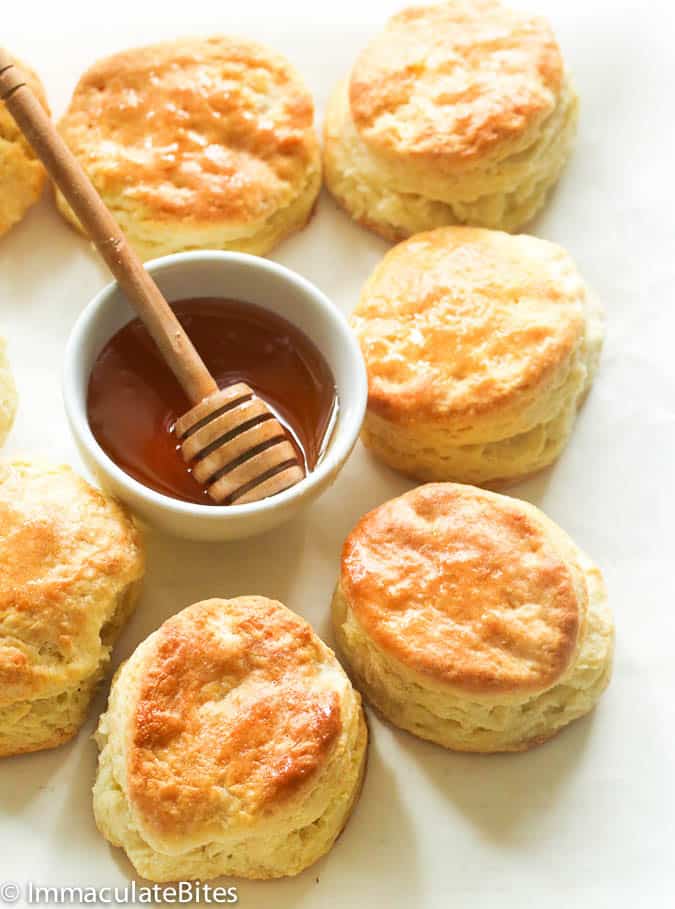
479	347
8	395
71	562
197	144
470	619
22	176
459	113
233	744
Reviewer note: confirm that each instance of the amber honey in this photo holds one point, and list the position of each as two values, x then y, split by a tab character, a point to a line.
134	400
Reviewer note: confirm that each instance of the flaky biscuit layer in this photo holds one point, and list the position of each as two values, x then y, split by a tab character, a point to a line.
480	347
470	619
71	562
459	113
22	176
233	744
197	144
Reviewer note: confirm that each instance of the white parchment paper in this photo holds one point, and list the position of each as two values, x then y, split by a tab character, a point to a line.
585	821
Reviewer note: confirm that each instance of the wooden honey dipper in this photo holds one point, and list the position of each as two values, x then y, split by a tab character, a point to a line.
238	448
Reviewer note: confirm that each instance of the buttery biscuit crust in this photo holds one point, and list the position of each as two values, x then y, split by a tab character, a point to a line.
470	619
461	323
203	135
228	713
66	553
455	82
458	113
22	176
464	587
233	743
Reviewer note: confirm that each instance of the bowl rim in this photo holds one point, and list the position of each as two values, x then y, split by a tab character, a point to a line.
345	434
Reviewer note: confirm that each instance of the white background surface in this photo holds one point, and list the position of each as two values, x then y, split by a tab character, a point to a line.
585	821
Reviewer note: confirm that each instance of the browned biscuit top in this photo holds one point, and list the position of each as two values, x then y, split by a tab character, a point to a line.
203	131
22	175
455	82
9	131
459	322
66	553
235	713
465	587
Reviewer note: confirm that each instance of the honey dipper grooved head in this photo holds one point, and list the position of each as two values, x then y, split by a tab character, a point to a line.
237	447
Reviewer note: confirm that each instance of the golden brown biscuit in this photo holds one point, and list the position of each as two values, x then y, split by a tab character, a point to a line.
459	112
22	176
233	744
479	348
470	619
71	562
197	144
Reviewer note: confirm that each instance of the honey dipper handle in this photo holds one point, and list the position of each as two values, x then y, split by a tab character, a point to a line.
138	286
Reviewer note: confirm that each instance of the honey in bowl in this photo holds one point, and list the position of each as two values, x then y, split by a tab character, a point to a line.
133	399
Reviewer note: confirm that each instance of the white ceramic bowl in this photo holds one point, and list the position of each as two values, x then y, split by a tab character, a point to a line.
240	277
